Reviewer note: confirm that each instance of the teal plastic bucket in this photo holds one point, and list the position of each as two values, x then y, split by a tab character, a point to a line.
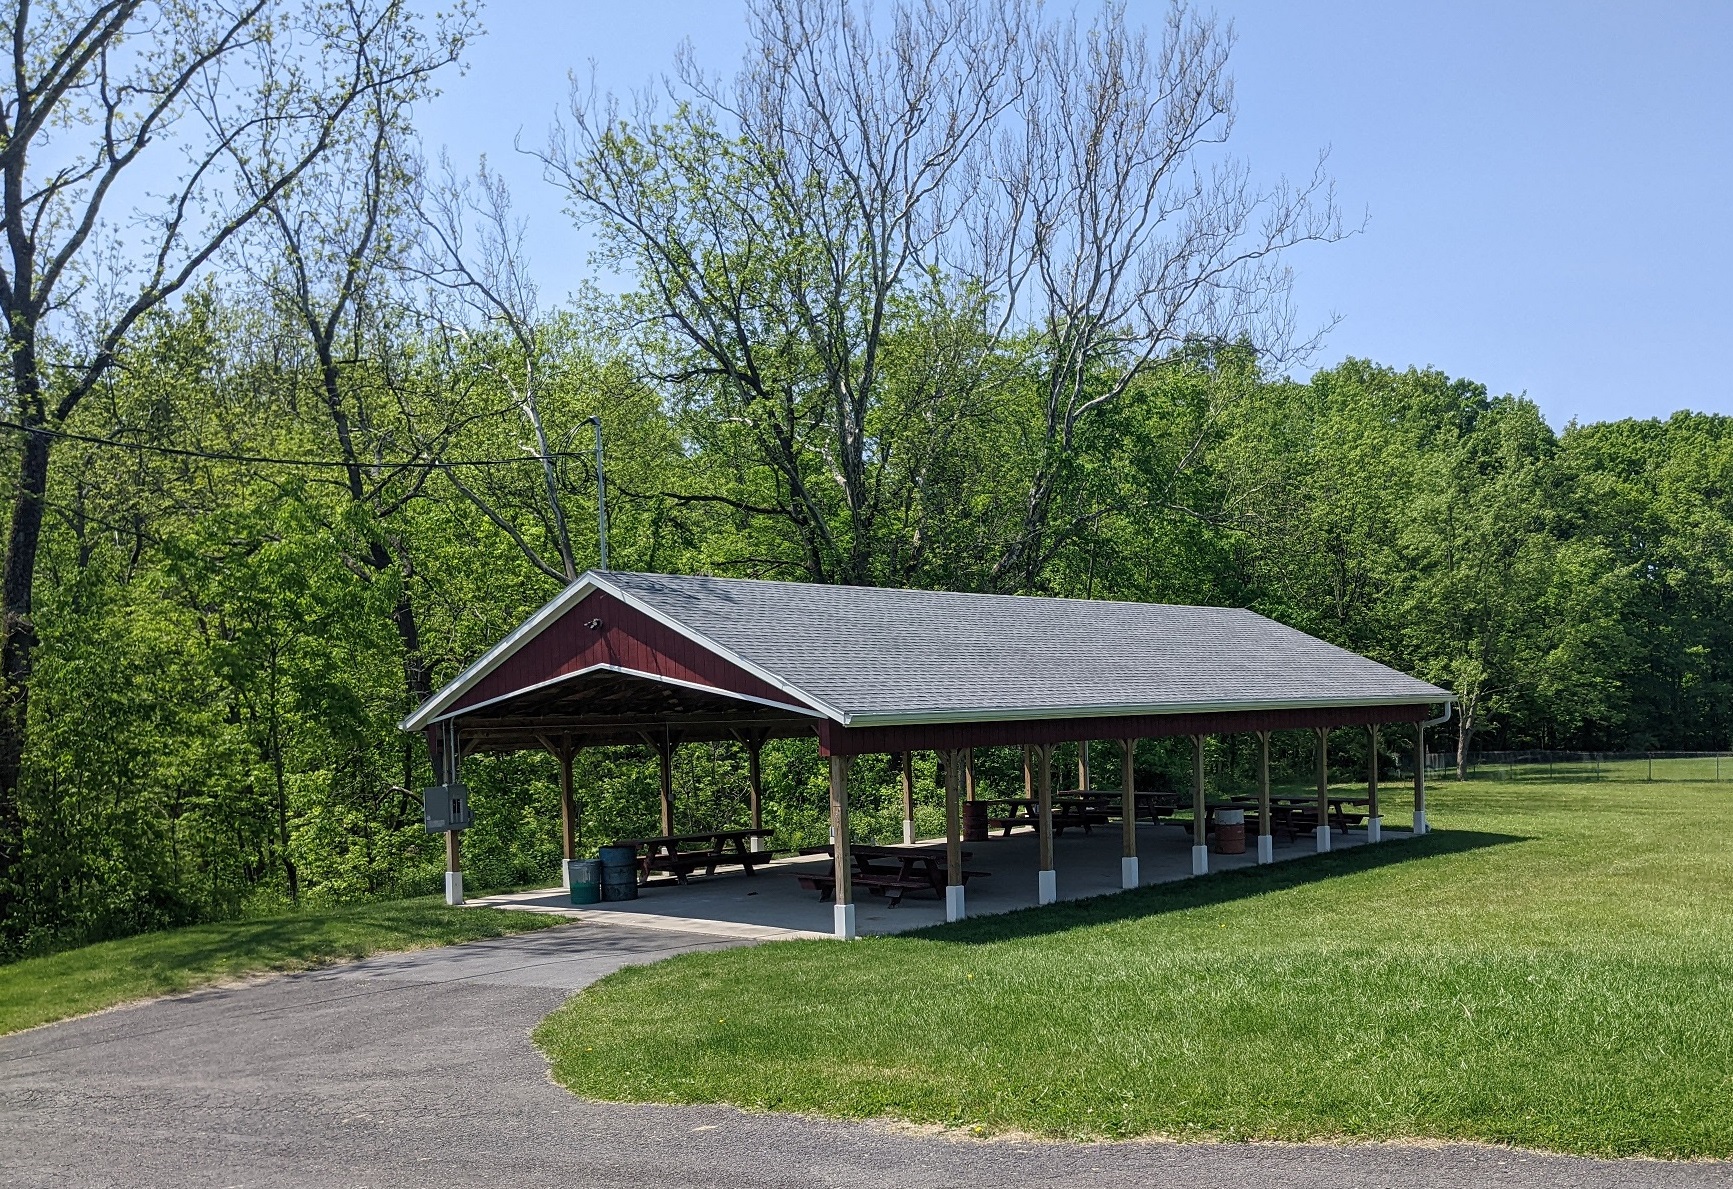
587	893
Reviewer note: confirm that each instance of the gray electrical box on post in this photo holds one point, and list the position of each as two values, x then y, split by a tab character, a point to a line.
446	807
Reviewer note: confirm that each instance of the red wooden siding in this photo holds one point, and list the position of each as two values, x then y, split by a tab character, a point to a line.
836	739
627	638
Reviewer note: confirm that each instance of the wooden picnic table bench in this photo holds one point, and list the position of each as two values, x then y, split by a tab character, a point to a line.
1154	805
1074	809
680	855
1303	810
1025	812
917	869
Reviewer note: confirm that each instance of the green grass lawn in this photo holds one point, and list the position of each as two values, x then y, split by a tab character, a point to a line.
42	990
1553	969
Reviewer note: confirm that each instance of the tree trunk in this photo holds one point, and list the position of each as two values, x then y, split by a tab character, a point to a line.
18	633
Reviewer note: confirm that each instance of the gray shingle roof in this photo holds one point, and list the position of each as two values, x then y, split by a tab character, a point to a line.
885	656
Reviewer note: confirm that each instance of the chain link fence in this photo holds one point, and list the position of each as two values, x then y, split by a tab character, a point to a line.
1695	766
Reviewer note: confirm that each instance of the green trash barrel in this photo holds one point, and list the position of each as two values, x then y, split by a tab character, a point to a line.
585	878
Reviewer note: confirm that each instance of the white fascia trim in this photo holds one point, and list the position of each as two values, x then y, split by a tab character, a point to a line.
706	642
491	659
1027	714
657	677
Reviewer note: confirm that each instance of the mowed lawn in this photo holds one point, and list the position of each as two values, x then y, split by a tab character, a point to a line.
1553	969
58	986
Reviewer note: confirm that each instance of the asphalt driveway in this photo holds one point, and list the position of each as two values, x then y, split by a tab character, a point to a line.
418	1070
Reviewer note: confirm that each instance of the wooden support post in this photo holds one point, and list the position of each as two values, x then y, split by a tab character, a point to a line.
1374	823
1028	773
954	909
844	864
1266	835
1046	882
454	867
568	807
969	774
1128	873
755	783
665	753
1420	824
1199	811
908	798
1323	831
1083	765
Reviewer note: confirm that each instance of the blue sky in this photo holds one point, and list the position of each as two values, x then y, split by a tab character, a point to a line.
1548	187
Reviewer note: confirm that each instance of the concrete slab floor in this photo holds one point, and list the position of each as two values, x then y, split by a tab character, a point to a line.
771	904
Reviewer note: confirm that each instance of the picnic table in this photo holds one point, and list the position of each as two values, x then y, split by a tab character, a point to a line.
1153	805
1085	810
1303	810
891	870
679	855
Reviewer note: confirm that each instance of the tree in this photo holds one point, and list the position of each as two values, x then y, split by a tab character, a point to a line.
1043	196
1118	234
477	258
776	221
110	92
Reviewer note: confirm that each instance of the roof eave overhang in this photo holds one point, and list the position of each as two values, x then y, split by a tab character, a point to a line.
1128	710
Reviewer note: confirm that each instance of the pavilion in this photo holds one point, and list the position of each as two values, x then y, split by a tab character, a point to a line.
663	659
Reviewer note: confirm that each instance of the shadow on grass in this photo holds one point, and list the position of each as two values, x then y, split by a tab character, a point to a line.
1222	888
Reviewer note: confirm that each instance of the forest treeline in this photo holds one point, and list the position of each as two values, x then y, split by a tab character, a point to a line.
989	317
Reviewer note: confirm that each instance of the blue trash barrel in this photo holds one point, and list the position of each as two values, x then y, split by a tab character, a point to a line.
619	872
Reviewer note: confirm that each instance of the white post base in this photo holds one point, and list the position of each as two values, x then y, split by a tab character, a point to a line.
1420	826
1266	848
1322	834
565	875
454	887
1200	860
755	844
1046	887
908	832
954	902
1128	877
1374	829
844	922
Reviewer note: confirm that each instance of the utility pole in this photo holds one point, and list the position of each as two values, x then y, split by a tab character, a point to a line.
601	496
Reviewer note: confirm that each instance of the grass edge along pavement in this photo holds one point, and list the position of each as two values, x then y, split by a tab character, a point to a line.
1552	970
59	986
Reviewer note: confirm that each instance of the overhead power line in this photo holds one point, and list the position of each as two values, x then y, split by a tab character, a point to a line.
414	464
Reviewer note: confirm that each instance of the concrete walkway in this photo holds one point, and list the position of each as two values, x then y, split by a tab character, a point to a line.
771	904
418	1070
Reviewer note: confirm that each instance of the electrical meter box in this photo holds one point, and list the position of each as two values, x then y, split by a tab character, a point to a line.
446	807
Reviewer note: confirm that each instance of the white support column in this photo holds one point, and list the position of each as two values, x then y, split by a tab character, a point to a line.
755	784
1322	832
908	798
844	862
1266	827
1374	820
1199	813
1128	873
954	908
1420	826
1047	882
453	868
